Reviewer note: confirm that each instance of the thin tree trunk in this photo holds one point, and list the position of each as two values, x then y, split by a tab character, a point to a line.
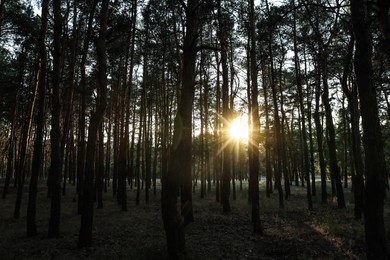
25	136
334	168
306	169
72	68
319	133
226	115
268	168
255	135
309	94
201	147
40	121
351	94
55	167
11	146
100	168
217	126
277	128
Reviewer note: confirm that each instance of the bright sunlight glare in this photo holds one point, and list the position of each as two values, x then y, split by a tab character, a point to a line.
238	129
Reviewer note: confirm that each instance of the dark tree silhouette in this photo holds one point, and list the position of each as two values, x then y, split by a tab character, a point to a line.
375	170
55	133
85	234
178	177
36	167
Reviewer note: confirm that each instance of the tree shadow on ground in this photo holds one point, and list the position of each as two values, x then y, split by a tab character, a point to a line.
289	233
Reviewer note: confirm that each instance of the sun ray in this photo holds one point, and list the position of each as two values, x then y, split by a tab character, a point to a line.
237	131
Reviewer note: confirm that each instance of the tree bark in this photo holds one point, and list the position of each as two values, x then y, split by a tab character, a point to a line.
255	134
81	153
85	234
178	177
375	170
306	167
319	135
24	142
351	95
334	168
278	152
36	167
226	115
55	167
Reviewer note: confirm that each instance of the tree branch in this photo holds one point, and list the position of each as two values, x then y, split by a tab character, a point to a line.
183	4
208	47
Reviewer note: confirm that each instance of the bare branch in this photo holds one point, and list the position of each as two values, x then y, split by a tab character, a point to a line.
208	47
183	4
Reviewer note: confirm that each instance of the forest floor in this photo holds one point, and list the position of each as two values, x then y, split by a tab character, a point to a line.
291	232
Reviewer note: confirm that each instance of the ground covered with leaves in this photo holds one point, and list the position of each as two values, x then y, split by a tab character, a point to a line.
291	232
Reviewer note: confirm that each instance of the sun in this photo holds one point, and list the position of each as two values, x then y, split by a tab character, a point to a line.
238	129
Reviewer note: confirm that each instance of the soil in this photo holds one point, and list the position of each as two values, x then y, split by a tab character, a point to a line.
291	232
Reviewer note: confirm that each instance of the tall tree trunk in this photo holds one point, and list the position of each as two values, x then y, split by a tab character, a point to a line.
100	168
201	136
351	94
24	143
217	128
255	134
83	83
226	115
277	126
129	94
309	94
11	146
36	167
334	168
268	168
72	73
306	167
319	135
375	170
85	234
55	168
138	163
206	132
178	177
107	170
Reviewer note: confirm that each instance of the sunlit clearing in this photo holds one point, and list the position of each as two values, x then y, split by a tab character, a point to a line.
238	129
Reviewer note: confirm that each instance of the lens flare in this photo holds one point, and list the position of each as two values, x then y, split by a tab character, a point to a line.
238	129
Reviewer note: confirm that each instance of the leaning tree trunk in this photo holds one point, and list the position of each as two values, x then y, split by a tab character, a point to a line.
24	143
375	169
85	234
